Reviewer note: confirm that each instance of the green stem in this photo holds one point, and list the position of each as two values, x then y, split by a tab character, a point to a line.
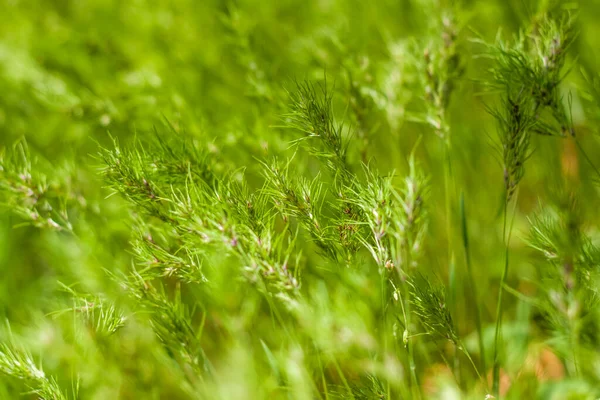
323	380
465	235
448	188
573	338
574	344
342	376
587	157
384	297
499	309
416	392
466	353
405	305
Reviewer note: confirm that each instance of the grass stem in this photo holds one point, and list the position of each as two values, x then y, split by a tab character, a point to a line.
465	237
499	309
587	158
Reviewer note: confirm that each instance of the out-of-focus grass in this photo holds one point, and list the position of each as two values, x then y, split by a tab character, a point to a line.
74	75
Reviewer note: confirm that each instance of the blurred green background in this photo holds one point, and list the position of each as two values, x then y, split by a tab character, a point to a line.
75	73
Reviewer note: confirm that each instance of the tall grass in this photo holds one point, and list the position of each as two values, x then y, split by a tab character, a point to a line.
298	205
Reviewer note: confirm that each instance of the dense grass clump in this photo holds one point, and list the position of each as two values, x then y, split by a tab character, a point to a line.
318	200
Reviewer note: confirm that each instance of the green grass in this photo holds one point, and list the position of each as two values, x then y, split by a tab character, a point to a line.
322	200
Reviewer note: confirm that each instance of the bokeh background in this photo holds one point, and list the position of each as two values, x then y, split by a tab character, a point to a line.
75	74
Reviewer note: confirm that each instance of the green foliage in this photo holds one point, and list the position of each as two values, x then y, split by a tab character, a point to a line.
20	365
30	194
245	200
431	306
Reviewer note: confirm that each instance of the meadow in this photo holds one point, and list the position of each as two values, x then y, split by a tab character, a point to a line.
332	199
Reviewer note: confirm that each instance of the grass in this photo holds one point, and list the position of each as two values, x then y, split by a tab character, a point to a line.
260	200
